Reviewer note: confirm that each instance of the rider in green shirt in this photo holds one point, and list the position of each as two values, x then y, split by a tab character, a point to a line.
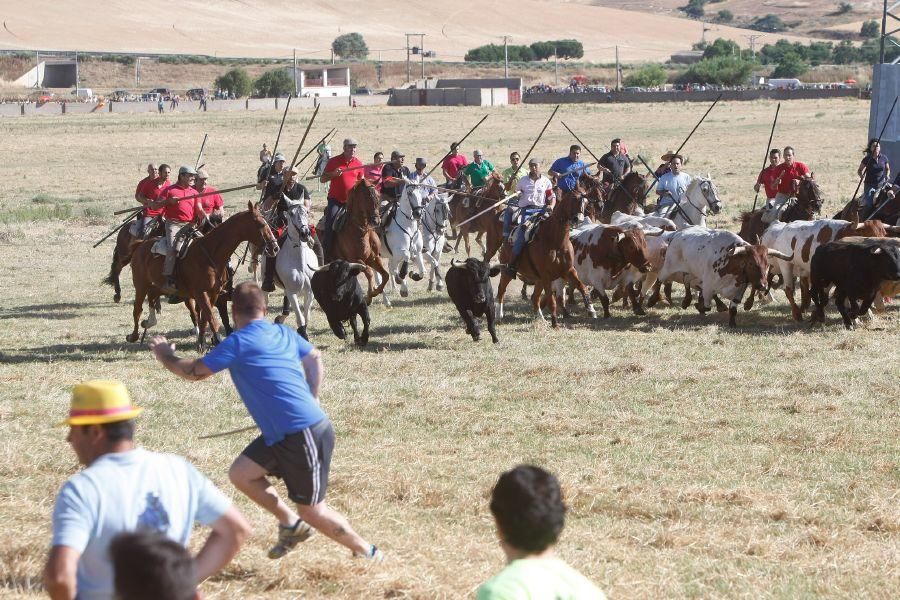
478	170
515	168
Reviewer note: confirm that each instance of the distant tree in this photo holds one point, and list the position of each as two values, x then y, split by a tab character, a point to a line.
235	81
542	50
723	70
818	53
495	53
568	48
725	16
274	84
770	23
648	76
350	45
844	53
790	66
722	47
870	29
844	8
694	8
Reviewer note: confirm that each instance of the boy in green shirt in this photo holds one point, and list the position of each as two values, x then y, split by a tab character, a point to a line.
529	514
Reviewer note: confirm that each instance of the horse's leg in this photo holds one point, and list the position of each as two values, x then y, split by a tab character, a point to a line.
572	277
140	292
481	245
307	302
501	292
536	300
370	278
222	307
301	320
393	285
376	263
206	318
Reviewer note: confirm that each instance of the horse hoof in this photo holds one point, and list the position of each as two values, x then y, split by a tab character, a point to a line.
279	319
440	287
117	298
131	338
415	276
302	332
430	286
404	293
144	323
195	331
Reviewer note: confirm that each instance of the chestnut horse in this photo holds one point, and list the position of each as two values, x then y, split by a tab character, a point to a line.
489	223
357	241
807	206
625	196
202	274
549	256
125	245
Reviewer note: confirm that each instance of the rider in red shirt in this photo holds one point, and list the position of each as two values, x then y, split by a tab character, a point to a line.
148	191
766	178
212	203
453	163
788	172
180	208
342	171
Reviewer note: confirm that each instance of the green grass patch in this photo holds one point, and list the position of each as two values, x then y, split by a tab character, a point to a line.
41	212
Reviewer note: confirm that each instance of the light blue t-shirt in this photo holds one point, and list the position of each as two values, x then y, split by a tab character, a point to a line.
574	169
263	359
128	491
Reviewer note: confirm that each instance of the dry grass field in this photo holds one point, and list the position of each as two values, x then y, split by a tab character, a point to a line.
697	460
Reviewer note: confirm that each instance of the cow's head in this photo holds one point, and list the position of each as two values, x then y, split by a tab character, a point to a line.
750	264
871	228
888	260
339	274
477	277
632	244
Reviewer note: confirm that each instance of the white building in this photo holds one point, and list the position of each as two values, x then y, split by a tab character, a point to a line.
323	81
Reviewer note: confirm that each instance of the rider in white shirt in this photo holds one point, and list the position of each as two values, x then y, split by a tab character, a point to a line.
535	194
672	185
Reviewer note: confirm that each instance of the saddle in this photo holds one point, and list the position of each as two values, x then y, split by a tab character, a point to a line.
388	212
182	242
339	219
476	192
531	225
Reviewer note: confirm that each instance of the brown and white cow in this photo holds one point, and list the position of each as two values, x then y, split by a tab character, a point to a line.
719	263
604	252
799	239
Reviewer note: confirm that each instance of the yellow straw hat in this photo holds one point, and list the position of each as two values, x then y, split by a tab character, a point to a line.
97	402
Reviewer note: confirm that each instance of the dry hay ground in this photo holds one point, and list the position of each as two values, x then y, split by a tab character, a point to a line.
696	460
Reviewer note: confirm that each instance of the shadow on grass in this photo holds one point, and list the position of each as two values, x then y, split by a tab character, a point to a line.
92	351
58	311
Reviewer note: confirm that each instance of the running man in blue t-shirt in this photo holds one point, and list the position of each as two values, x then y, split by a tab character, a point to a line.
277	374
566	170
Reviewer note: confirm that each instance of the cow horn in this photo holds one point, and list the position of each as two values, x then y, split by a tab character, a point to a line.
860	225
738	250
654	232
452	262
779	254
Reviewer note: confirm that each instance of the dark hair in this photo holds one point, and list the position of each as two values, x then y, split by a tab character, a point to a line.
164	166
616	141
149	566
119	431
871	143
248	300
786	148
574	148
774	151
528	506
377	154
514	154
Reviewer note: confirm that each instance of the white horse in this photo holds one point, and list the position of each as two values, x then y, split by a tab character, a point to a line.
698	200
402	240
295	264
435	220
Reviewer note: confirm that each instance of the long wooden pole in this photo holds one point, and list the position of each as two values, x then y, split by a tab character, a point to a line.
305	133
703	118
530	150
274	150
202	146
200	195
768	149
458	143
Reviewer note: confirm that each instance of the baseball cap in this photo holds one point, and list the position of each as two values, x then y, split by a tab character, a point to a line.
202	174
277	157
420	161
395	154
99	401
350	142
186	170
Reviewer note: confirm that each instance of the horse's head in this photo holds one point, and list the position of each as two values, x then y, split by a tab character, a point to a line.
707	189
809	196
298	219
362	200
493	187
414	196
261	234
637	185
571	205
439	208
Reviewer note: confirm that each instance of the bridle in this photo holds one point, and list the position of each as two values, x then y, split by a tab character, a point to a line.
706	188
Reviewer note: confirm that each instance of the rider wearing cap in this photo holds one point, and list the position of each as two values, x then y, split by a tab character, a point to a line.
671	186
535	195
212	202
394	176
420	176
568	169
180	210
342	171
149	190
294	192
478	171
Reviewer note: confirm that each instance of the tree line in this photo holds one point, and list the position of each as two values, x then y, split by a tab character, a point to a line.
521	53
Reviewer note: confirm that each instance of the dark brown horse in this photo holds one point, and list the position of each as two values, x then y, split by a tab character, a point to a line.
464	206
125	245
625	196
202	274
808	205
549	256
357	241
889	214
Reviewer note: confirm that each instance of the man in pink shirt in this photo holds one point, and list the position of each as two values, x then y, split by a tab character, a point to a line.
453	164
372	172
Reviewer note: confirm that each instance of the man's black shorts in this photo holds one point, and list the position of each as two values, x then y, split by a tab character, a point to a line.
301	459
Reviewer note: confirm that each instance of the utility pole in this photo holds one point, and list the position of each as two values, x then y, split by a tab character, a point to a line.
408	72
414	51
506	57
556	64
77	79
618	70
422	52
752	39
296	91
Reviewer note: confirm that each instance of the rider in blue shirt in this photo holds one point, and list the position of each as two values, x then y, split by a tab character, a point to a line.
568	169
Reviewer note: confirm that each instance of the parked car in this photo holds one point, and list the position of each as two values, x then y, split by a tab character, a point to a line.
363	91
196	93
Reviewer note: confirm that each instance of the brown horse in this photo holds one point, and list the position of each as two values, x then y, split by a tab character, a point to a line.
808	205
489	223
202	274
626	195
357	241
888	214
125	245
549	256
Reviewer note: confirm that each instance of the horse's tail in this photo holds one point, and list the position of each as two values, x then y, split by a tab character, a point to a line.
113	276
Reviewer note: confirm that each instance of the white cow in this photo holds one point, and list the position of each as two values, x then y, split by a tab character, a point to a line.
799	239
718	262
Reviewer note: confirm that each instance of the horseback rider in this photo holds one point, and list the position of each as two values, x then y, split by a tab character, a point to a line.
149	190
877	169
514	172
212	203
373	171
274	174
452	165
766	177
615	163
394	176
670	186
535	195
568	169
265	155
478	171
180	209
789	174
427	181
342	171
293	192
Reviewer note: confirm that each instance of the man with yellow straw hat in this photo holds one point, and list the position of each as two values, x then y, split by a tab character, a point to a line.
124	488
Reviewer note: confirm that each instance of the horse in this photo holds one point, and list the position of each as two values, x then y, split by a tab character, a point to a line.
626	196
807	206
549	256
125	245
435	219
699	199
489	223
295	264
401	240
201	274
358	241
888	213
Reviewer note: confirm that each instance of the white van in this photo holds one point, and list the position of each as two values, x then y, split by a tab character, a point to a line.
83	93
784	84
